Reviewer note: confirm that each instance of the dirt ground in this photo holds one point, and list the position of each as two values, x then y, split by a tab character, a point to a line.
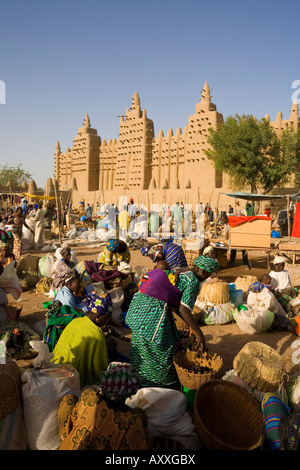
226	340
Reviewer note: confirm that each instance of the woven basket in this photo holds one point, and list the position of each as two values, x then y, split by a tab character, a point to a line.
227	417
184	361
243	283
10	388
260	367
215	291
181	324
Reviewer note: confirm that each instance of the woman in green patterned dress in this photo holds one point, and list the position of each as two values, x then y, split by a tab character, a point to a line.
154	333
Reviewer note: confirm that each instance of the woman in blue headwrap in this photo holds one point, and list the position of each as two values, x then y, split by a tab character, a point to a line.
154	332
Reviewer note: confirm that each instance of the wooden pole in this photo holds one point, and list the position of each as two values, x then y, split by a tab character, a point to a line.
56	198
216	214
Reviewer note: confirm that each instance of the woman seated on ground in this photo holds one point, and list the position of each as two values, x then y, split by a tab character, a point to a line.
99	419
82	344
261	298
115	251
68	294
63	266
6	255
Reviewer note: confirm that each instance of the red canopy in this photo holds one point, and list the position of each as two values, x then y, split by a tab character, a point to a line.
235	220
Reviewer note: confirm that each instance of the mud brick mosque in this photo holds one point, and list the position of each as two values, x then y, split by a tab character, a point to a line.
150	169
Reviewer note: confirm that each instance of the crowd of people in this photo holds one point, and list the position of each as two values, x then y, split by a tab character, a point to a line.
80	329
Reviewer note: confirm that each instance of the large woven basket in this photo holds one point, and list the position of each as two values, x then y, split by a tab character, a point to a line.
260	367
215	291
227	417
10	388
243	283
186	361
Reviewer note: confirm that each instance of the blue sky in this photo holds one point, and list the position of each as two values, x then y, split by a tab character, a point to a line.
62	59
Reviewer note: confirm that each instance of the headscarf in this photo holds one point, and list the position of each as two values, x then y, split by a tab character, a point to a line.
154	250
157	284
207	264
279	260
100	304
112	244
73	274
255	287
119	381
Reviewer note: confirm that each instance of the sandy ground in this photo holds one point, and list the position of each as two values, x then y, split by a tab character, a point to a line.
226	340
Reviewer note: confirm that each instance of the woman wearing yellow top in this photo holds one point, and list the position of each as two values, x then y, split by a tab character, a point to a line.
115	251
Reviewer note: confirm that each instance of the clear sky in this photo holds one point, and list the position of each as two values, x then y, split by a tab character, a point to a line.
60	59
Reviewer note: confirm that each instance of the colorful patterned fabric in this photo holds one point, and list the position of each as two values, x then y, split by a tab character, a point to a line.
174	256
154	361
273	410
154	333
289	432
57	322
108	256
86	279
112	244
154	250
189	285
207	264
255	287
62	268
100	304
119	381
156	284
96	423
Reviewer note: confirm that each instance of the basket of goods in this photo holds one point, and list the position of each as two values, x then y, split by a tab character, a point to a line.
215	291
243	283
213	303
180	323
260	367
10	388
227	417
193	367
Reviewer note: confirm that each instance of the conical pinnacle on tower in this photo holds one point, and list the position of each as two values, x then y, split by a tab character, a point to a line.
206	93
57	147
87	122
136	101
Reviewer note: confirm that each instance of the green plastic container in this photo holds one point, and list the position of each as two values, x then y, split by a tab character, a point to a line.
190	397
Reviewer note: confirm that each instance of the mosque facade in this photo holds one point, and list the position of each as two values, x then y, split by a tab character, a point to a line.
151	169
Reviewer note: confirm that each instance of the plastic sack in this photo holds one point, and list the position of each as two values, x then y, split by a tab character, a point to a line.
166	412
43	387
215	314
48	248
253	322
27	240
117	297
45	265
264	300
9	280
236	295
